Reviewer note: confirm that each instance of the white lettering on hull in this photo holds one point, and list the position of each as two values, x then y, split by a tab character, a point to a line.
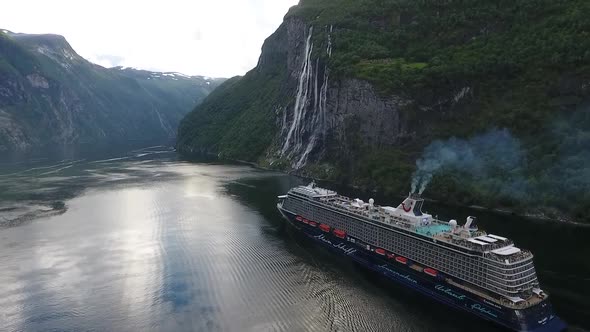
341	246
450	292
482	309
403	276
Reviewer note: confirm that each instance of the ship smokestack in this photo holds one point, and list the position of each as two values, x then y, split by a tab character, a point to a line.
471	223
413	204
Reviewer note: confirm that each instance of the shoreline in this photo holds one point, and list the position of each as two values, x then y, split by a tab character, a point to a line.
534	216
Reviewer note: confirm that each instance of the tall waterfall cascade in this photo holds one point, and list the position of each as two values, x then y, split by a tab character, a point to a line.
308	124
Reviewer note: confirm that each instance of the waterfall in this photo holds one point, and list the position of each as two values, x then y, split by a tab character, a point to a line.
319	119
329	48
309	122
284	119
301	100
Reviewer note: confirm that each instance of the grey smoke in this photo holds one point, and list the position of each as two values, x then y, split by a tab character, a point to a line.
494	153
553	171
569	177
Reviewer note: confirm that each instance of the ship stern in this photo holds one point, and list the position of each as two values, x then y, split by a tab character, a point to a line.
539	318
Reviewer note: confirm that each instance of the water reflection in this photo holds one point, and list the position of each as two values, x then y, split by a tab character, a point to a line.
148	242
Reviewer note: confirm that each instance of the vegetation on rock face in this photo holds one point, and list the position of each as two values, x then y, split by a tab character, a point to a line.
466	66
50	96
238	120
15	57
406	43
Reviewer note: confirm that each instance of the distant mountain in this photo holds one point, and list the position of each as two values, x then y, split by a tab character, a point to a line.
51	96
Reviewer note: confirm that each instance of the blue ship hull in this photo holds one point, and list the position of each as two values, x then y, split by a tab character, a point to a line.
539	318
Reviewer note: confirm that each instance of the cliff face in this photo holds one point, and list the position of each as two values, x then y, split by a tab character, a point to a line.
324	109
331	115
313	114
356	91
50	96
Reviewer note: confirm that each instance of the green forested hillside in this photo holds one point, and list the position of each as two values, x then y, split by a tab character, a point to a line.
238	121
464	67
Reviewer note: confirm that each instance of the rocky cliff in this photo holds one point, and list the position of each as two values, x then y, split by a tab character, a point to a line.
50	96
304	111
357	91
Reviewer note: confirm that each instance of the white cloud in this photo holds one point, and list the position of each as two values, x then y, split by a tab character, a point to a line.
197	37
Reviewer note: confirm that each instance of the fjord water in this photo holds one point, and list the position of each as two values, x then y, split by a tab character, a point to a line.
144	241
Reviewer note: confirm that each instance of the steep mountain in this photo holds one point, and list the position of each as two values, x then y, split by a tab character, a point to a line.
51	96
486	99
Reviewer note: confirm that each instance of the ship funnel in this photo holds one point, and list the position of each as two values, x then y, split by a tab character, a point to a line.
414	195
412	204
471	223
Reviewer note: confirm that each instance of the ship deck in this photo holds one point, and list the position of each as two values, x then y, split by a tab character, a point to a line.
432	230
438	229
493	247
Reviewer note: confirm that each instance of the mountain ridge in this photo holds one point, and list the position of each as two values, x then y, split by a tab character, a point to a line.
51	96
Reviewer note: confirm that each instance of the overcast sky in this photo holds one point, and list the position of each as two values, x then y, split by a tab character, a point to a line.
219	38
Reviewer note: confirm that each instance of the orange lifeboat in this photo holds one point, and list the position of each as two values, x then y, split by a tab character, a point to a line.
401	259
313	223
380	251
340	233
325	227
431	272
305	221
299	218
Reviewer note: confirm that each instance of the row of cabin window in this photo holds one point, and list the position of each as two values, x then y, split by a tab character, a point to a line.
511	270
504	275
370	234
439	258
503	265
504	283
429	255
501	289
293	205
402	245
507	285
523	281
523	278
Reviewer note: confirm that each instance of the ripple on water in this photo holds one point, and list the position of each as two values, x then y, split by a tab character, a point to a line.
180	251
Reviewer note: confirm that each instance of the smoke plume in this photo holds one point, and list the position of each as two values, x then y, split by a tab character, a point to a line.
553	171
496	152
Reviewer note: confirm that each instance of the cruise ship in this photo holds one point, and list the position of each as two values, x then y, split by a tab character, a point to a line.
486	275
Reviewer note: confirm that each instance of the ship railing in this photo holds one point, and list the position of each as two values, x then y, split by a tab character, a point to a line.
500	300
476	247
377	215
522	255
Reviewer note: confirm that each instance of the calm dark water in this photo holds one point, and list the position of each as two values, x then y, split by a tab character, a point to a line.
146	242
